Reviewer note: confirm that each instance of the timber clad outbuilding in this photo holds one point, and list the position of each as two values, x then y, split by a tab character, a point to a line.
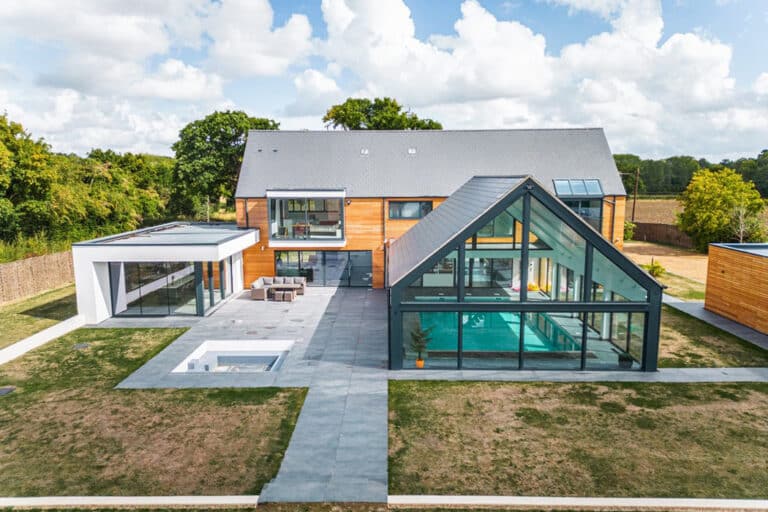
737	283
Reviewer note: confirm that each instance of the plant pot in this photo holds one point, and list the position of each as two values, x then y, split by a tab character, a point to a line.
419	363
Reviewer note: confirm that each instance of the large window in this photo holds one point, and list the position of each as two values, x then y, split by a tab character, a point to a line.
327	268
306	219
409	209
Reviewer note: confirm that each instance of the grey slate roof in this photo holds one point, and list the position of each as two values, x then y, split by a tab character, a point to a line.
431	233
443	160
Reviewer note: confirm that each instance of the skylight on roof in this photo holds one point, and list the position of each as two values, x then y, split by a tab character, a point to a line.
578	188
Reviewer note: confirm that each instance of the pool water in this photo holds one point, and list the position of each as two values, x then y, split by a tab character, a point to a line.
497	332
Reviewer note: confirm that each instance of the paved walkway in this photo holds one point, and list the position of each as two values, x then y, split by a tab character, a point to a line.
338	451
696	309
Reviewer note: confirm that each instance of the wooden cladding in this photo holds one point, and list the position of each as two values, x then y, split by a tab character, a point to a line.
367	227
737	287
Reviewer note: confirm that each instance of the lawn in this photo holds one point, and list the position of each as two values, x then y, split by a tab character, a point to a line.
682	287
687	342
26	317
580	439
66	431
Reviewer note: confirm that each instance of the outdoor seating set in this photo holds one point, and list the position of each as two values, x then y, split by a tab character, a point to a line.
279	289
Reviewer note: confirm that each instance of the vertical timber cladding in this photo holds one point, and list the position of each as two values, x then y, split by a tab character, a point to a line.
737	287
614	213
363	231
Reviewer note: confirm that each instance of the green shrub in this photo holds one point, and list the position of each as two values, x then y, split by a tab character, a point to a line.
654	268
629	230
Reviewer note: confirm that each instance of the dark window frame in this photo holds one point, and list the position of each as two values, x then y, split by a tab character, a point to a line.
421	209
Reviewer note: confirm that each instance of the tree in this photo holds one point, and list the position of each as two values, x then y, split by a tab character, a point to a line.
627	164
379	114
716	201
209	153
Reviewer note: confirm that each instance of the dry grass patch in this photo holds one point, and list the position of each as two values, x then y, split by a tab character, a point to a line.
26	317
546	439
66	431
682	287
687	342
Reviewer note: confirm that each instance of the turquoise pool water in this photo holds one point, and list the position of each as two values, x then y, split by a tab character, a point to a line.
496	332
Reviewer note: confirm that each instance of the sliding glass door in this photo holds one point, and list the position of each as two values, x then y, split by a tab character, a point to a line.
327	268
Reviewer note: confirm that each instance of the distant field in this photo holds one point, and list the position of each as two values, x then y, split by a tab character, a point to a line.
659	211
656	211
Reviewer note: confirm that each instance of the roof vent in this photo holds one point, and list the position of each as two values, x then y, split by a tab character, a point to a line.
364	152
259	150
274	150
411	151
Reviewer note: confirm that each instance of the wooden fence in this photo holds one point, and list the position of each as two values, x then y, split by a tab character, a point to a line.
30	276
663	234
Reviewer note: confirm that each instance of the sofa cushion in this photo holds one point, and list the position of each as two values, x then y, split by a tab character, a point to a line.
279	280
297	280
267	280
259	283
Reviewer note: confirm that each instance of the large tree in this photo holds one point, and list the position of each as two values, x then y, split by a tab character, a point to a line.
719	206
209	153
379	114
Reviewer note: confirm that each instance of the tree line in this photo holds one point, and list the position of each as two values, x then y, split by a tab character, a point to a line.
55	198
671	176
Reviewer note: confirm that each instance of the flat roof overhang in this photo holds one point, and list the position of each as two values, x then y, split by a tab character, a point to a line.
175	241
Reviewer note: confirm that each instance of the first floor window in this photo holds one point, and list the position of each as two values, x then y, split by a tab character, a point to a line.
409	209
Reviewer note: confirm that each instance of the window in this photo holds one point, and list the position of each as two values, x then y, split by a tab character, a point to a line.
409	209
585	197
578	188
306	219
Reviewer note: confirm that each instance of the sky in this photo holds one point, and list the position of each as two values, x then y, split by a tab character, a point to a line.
662	77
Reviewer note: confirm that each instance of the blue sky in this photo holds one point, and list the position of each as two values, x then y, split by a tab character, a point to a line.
662	77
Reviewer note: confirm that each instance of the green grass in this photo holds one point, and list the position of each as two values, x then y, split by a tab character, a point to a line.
65	430
578	439
687	342
682	287
26	317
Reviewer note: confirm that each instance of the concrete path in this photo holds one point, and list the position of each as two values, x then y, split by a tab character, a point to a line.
338	451
696	309
20	348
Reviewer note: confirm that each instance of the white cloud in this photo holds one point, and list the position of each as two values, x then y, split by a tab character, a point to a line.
315	92
761	84
485	58
245	43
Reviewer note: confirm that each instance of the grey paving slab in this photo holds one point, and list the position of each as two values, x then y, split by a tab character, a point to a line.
696	309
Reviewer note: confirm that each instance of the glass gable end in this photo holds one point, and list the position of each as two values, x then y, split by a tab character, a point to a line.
531	289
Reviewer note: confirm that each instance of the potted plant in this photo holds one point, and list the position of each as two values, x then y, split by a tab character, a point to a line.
625	361
420	338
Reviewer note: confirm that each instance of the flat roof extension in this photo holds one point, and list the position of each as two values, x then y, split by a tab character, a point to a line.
754	249
173	233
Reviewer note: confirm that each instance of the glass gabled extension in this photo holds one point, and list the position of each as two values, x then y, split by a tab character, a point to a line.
503	275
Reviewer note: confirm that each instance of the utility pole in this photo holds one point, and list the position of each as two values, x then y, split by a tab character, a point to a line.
634	200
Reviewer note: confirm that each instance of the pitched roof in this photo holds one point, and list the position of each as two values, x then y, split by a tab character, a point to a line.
433	232
420	163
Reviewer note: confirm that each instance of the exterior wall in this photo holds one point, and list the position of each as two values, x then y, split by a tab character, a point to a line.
366	228
614	214
737	287
363	231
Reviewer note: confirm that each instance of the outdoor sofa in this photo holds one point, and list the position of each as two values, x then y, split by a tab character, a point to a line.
260	287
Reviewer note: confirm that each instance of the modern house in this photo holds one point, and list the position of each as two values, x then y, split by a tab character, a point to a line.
737	283
501	245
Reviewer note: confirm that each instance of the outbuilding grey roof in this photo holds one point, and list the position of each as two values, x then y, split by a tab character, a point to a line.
173	234
753	249
434	231
420	163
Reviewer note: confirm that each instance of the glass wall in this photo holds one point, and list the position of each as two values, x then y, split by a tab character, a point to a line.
306	219
442	335
153	289
573	318
327	268
168	288
436	284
